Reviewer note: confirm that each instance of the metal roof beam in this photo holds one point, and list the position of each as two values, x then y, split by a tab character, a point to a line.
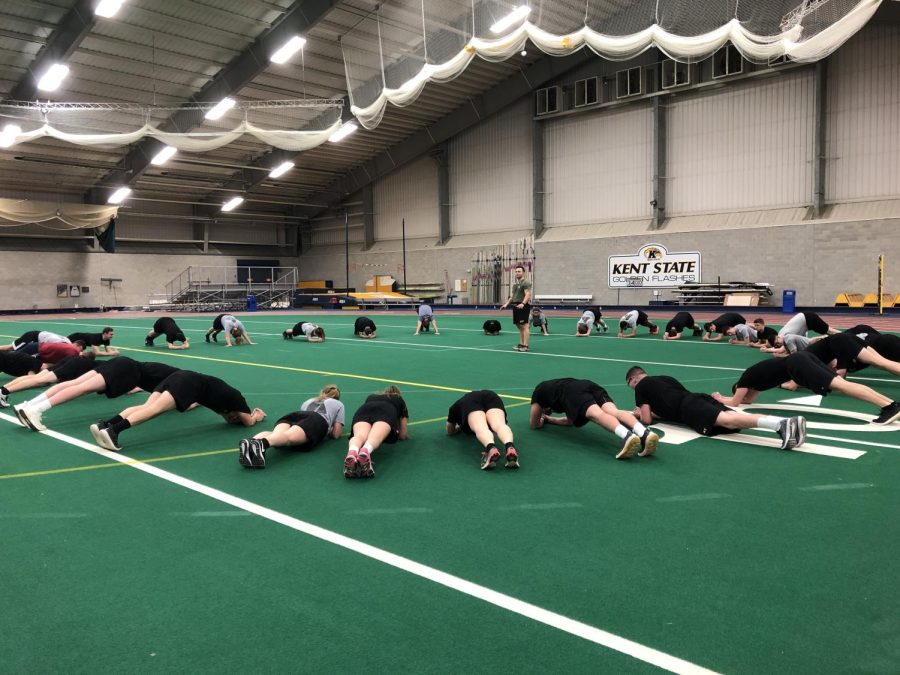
301	17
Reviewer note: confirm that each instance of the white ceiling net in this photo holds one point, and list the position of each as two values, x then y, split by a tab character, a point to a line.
295	125
391	55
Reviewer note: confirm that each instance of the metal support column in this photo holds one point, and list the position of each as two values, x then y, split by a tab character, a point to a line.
442	158
818	197
537	177
368	205
658	205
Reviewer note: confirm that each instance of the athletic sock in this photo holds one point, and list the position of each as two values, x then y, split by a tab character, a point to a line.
114	420
639	429
265	442
769	422
509	445
489	447
621	431
4	391
353	450
119	427
39	404
368	448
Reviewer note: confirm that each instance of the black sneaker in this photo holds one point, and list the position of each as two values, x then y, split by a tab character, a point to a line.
889	413
698	332
215	337
148	342
253	454
630	445
649	441
787	430
207	337
285	335
4	400
106	438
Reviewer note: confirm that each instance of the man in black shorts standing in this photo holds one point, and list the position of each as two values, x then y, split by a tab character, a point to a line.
809	372
165	325
181	391
95	341
678	324
721	324
482	414
660	397
364	327
520	299
583	401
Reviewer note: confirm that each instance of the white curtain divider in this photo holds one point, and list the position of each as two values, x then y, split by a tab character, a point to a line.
759	48
15	212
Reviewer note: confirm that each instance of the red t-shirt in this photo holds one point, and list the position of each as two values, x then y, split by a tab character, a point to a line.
53	352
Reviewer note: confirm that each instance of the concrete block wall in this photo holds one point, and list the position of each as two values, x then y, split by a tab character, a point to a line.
28	279
817	259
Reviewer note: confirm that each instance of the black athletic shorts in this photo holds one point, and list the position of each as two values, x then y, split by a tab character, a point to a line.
521	316
120	375
815	323
810	372
72	368
699	412
313	424
379	411
185	386
18	364
581	395
483	400
217	322
844	347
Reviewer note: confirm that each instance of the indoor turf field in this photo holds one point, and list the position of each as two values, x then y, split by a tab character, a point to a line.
719	554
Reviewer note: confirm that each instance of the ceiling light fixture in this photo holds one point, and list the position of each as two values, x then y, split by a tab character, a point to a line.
287	50
54	76
281	169
232	203
164	155
220	108
8	135
513	17
119	195
108	8
342	133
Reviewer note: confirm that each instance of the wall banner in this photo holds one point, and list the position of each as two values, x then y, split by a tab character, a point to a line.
654	267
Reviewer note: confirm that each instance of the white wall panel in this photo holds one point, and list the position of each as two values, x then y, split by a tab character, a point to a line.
747	146
599	167
243	233
863	123
409	193
490	174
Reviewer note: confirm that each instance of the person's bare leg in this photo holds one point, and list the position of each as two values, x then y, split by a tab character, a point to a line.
859	391
873	358
477	421
284	434
85	386
496	420
41	379
150	409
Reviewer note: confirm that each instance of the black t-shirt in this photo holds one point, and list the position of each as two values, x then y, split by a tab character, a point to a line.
552	394
727	320
152	373
221	397
679	322
396	401
767	334
18	364
765	375
842	347
166	325
89	339
663	394
362	323
72	367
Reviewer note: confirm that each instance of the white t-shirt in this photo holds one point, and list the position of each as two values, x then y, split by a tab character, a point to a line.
229	323
307	328
329	408
46	337
630	318
588	318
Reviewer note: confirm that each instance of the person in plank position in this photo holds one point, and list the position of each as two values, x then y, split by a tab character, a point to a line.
165	325
383	418
482	414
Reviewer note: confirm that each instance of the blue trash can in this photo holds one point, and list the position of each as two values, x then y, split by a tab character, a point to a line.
251	303
789	301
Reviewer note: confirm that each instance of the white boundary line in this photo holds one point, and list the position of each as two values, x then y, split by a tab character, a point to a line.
552	619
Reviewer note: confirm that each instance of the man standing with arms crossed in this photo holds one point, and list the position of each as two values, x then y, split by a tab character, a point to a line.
520	299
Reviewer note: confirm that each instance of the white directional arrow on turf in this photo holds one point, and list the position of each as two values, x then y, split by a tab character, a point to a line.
804	400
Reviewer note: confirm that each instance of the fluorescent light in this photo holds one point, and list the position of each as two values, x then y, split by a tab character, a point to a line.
514	16
232	203
289	48
53	77
164	155
343	132
8	136
119	195
108	8
221	108
281	169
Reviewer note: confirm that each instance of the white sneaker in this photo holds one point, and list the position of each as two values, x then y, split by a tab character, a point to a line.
32	419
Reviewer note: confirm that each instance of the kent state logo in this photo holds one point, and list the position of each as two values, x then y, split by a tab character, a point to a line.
652	253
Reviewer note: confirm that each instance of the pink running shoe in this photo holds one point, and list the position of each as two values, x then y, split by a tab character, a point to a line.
364	466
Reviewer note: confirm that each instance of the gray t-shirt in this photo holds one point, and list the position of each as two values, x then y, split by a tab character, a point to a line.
630	318
425	312
795	343
796	325
46	337
229	323
329	408
308	328
742	332
587	318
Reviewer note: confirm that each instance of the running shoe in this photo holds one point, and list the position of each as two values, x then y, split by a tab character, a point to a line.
106	438
800	432
787	429
285	335
365	467
4	400
207	337
351	468
149	343
512	459
630	445
32	418
889	413
253	454
489	459
649	441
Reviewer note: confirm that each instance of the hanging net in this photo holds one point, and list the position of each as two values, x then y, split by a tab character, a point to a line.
391	54
289	125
